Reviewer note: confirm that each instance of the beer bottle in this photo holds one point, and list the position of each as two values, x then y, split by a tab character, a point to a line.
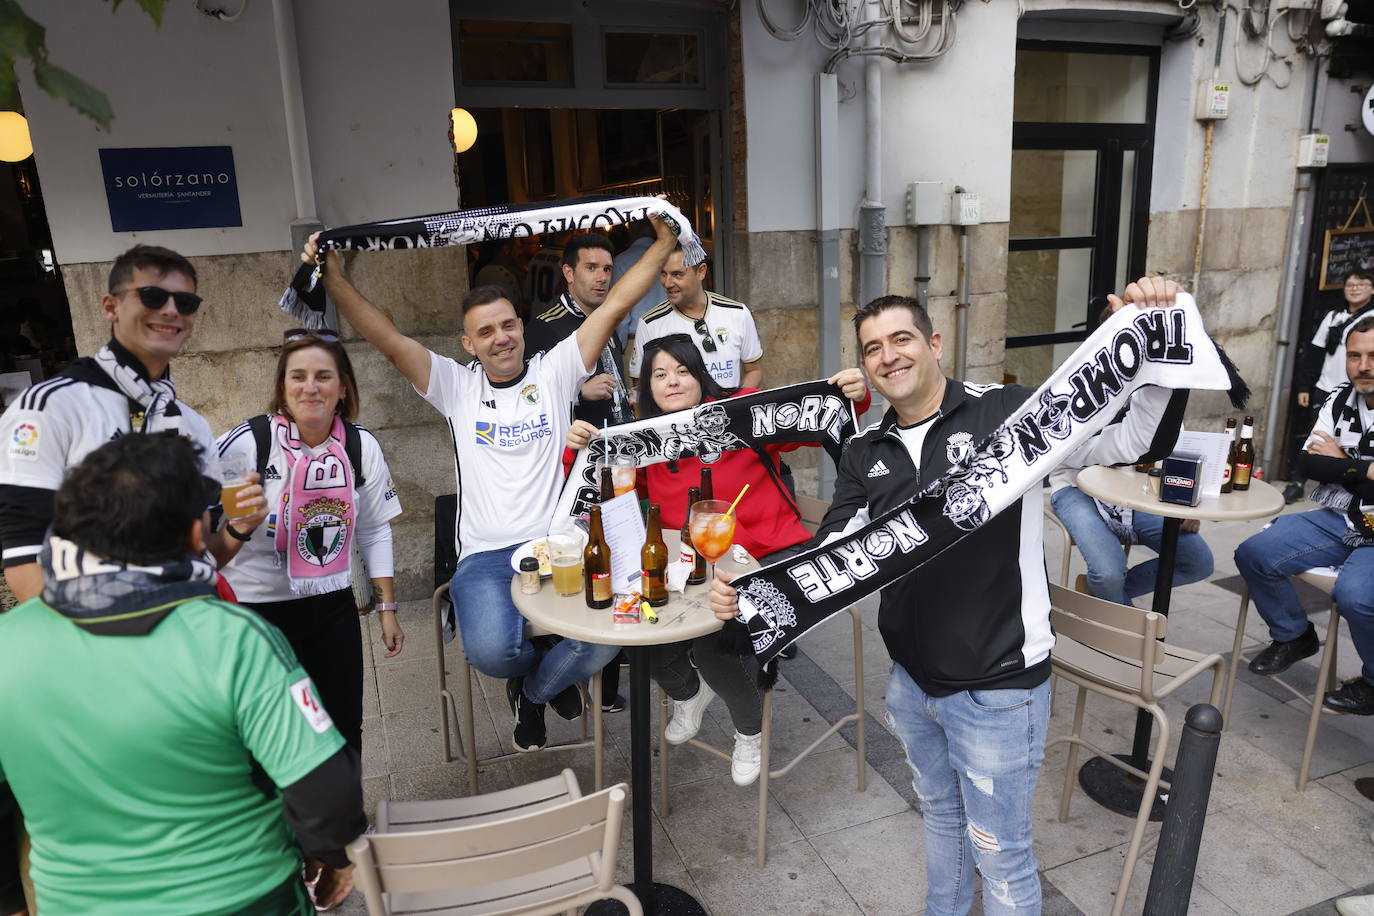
1229	471
596	564
689	553
1245	456
653	562
607	484
706	491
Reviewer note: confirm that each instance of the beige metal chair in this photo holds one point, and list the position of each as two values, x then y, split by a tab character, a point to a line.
464	718
539	848
1116	651
813	510
1323	578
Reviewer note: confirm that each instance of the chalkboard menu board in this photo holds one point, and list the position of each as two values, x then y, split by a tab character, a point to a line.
1346	250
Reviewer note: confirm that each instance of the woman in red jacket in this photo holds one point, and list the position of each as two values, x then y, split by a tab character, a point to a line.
766	522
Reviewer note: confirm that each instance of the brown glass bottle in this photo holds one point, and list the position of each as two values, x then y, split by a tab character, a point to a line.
607	485
596	564
1245	456
689	553
653	562
1228	472
706	491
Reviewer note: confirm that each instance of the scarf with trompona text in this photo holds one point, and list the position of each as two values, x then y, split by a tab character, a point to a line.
304	298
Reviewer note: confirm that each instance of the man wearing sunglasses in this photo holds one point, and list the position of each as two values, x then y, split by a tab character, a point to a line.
125	388
722	328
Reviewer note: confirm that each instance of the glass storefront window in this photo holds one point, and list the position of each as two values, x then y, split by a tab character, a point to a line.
655	59
1064	86
494	51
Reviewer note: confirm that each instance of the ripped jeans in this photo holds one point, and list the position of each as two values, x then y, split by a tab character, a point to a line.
974	757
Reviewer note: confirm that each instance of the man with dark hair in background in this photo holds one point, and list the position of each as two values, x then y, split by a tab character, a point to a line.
587	268
178	759
126	387
1321	368
1339	453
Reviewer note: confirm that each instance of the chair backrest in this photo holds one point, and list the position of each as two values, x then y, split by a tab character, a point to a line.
812	512
496	851
443	813
1115	629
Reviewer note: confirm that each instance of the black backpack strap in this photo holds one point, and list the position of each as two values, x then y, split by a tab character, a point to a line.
767	461
353	447
261	427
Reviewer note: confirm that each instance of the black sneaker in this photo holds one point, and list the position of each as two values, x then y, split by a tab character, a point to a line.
568	702
615	705
788	651
1355	696
1293	492
530	734
1280	656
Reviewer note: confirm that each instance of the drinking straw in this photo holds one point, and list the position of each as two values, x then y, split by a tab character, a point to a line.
605	439
731	510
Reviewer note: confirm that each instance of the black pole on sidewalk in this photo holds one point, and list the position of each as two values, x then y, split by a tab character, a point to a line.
1171	882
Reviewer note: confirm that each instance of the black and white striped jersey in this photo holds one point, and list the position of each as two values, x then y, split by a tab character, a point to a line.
51	427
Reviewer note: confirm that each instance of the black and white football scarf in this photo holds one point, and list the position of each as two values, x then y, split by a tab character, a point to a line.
810	412
153	404
1356	439
1166	347
304	298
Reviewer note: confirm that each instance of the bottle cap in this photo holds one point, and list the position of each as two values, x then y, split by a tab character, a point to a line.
529	564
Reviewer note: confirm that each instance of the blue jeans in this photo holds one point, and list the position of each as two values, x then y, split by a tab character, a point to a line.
974	757
1108	577
1294	543
493	632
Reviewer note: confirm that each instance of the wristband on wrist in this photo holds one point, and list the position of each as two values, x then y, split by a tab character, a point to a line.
237	535
383	606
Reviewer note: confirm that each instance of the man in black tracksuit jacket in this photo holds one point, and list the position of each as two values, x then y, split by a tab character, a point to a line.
969	631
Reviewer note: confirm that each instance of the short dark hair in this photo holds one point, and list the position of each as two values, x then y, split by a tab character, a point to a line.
919	316
583	241
1363	326
1358	272
486	295
133	500
348	404
153	257
681	348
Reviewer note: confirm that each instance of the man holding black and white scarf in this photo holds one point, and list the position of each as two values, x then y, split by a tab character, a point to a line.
126	387
1339	454
969	629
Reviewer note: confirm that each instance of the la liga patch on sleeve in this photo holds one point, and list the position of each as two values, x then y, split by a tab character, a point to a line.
23	441
303	694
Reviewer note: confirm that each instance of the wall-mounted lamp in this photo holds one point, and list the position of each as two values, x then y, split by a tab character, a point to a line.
15	143
464	130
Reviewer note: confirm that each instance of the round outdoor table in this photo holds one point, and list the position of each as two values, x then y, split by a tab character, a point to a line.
686	616
1109	786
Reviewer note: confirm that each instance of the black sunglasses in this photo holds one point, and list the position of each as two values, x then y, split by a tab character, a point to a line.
708	343
321	334
155	297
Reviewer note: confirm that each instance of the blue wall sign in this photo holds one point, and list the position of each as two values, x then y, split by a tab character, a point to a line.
171	187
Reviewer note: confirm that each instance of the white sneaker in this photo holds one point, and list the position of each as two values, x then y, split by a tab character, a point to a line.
747	759
686	721
1355	906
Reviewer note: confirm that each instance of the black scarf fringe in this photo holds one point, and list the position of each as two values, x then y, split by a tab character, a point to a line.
1240	389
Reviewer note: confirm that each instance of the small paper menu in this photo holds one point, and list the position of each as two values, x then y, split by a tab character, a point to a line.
624	528
1213	447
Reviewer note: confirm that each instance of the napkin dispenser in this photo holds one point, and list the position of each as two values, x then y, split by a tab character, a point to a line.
1180	479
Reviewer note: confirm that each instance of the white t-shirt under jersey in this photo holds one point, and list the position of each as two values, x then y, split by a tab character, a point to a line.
507	443
253	572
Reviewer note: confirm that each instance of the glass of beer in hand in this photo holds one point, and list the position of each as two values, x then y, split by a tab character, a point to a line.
232	471
712	528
